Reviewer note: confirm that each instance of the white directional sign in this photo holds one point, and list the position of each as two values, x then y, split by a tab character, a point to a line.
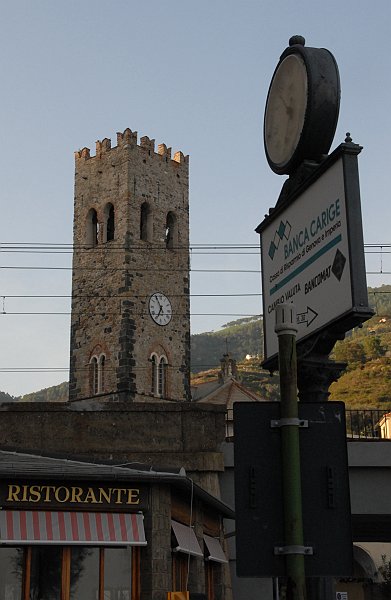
306	258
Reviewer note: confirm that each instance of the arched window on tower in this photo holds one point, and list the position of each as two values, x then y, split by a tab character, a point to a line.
154	376
162	377
110	222
92	228
159	366
97	374
94	375
145	222
101	373
171	233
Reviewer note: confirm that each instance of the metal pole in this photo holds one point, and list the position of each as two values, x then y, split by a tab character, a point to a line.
286	329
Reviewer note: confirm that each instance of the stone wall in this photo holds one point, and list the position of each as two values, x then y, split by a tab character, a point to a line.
156	578
159	435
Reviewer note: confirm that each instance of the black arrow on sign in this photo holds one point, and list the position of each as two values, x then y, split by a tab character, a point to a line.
306	317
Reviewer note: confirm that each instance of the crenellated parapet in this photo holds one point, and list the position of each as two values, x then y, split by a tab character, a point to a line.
103	146
180	158
164	151
83	153
147	144
128	139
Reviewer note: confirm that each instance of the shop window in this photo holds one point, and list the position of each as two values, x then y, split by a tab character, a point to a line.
159	365
171	234
109	222
212	573
184	546
214	558
84	573
11	570
180	571
70	573
117	579
45	572
145	222
92	229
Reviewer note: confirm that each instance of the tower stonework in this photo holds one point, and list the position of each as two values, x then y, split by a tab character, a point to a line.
130	329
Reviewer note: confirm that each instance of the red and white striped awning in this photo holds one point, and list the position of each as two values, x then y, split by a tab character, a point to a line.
50	527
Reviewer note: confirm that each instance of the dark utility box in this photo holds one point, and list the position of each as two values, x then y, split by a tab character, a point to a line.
325	490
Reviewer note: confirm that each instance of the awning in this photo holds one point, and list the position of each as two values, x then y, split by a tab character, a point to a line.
41	527
186	539
216	553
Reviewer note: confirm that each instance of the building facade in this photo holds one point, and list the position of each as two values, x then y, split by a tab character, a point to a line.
114	494
72	530
130	331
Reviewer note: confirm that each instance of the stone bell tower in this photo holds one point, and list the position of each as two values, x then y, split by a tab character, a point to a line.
130	330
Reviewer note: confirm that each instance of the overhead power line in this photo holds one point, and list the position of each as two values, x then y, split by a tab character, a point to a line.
116	269
138	296
105	314
123	296
146	269
145	246
86	369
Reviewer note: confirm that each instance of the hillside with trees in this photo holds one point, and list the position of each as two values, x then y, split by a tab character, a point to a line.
55	393
240	338
4	397
366	382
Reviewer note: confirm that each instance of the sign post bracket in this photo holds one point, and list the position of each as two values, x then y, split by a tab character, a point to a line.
302	423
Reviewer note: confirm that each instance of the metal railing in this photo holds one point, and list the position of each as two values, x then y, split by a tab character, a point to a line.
364	424
361	424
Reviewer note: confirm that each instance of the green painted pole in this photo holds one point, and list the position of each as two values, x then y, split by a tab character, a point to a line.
286	330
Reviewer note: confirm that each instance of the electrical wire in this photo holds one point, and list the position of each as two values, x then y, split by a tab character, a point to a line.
105	314
138	296
117	269
5	296
86	369
5	246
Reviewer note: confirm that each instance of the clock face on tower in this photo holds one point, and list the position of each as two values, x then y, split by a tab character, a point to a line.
160	308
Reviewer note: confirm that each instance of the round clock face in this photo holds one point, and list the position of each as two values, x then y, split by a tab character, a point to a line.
160	308
285	110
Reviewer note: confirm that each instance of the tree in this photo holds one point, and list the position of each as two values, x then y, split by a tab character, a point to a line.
373	347
351	352
385	571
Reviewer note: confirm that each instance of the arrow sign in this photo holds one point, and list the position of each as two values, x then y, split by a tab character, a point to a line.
306	317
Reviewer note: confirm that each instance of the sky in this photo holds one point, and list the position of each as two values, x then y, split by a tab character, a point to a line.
194	75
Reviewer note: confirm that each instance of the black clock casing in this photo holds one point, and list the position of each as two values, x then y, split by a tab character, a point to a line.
302	107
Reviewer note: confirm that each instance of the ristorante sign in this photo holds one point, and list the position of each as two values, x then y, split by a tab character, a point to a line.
78	495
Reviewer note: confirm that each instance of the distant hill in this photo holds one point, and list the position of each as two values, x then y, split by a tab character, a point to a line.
55	393
240	338
4	397
367	350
